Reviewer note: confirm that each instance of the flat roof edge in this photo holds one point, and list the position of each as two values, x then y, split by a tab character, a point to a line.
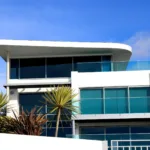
68	44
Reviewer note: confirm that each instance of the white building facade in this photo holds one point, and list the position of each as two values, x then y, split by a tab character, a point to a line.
114	92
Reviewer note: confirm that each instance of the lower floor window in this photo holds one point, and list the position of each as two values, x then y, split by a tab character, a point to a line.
116	133
115	100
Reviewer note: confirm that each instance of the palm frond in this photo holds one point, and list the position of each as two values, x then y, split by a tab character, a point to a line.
61	99
3	100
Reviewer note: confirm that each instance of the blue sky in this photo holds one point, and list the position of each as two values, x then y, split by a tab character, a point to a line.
125	21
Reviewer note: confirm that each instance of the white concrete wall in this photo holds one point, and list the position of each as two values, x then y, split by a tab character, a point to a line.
24	142
45	81
13	103
110	79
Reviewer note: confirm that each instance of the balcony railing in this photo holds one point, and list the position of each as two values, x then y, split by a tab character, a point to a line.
130	66
124	139
113	66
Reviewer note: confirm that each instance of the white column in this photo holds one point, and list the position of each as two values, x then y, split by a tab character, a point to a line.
77	132
75	87
12	94
8	67
8	75
13	103
73	127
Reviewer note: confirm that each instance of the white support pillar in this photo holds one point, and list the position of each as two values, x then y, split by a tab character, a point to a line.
8	67
73	127
13	103
74	86
8	76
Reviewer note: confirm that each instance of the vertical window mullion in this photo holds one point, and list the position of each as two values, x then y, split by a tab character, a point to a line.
101	63
73	64
128	94
19	70
104	100
45	67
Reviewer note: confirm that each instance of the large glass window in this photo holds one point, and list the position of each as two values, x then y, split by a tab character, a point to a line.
14	68
62	132
30	100
94	133
91	101
140	132
117	133
59	67
87	64
116	101
106	63
140	100
32	68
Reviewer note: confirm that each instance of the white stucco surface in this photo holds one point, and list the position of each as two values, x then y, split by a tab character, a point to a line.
24	142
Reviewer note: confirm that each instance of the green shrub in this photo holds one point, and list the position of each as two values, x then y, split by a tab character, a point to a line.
5	125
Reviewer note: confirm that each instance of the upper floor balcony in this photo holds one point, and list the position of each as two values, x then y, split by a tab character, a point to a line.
37	68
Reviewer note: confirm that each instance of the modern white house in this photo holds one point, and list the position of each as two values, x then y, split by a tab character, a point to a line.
114	92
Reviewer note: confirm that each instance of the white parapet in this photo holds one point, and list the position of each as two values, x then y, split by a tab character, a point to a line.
26	142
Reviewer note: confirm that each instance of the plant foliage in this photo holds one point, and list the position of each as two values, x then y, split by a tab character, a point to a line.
28	123
60	102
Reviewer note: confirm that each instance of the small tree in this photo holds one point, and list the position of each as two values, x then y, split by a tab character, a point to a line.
60	101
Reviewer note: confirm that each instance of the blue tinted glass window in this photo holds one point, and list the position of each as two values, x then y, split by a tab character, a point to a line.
116	101
91	101
117	133
115	130
141	132
32	68
51	131
14	68
91	130
140	100
91	93
140	92
140	129
62	132
106	63
63	124
59	67
31	100
87	64
92	133
43	132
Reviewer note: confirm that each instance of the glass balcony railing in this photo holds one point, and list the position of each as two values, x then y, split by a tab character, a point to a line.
131	66
112	66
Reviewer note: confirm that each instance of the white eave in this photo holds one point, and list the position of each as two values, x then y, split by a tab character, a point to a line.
24	48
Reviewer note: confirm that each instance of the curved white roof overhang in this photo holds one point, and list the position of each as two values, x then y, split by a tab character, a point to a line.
26	49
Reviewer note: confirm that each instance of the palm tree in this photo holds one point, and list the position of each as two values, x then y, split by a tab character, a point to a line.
60	101
3	102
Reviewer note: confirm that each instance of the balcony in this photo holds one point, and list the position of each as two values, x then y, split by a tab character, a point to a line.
131	66
62	67
138	139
